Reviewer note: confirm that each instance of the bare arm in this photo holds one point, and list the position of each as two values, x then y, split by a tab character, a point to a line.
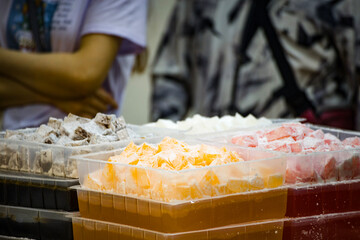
63	75
13	93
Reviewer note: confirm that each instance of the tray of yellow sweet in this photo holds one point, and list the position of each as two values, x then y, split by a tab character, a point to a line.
169	185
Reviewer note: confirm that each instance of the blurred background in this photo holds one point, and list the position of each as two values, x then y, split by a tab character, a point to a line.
138	91
317	49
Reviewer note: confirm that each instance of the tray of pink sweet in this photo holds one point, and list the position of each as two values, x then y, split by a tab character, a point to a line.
322	164
314	154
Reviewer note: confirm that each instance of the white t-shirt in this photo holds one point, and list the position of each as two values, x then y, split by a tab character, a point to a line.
65	22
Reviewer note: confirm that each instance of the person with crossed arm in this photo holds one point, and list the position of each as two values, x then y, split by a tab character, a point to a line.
86	55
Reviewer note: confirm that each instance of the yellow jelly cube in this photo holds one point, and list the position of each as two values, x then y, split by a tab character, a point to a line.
93	180
210	177
128	151
108	177
130	148
183	192
196	192
221	190
231	157
238	185
120	187
141	178
146	150
275	181
256	183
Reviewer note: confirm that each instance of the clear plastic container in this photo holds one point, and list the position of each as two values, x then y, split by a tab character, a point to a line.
98	230
316	167
320	187
321	227
54	160
274	122
144	132
335	197
46	159
172	201
184	216
37	191
260	169
35	223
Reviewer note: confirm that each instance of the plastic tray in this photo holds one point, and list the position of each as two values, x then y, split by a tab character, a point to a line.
35	223
323	198
275	122
53	160
313	167
186	216
321	227
179	126
37	191
181	205
260	170
137	132
92	229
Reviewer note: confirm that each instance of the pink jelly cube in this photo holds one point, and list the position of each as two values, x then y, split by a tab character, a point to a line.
345	165
245	141
319	134
300	170
312	143
279	133
295	147
280	146
352	141
326	168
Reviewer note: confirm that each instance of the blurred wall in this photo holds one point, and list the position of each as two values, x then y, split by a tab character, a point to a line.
136	105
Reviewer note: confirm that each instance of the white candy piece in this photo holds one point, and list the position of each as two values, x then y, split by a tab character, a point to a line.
199	124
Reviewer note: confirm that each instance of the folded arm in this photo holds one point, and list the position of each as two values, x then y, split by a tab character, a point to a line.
63	75
13	93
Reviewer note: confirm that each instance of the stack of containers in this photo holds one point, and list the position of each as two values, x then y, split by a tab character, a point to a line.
35	207
129	201
35	185
35	193
323	185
